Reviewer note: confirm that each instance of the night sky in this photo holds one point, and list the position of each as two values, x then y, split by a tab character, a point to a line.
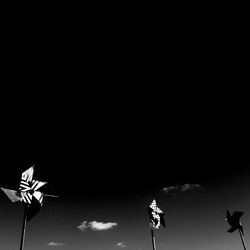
107	163
114	113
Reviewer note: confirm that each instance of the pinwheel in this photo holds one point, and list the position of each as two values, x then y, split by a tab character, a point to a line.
235	223
156	219
30	195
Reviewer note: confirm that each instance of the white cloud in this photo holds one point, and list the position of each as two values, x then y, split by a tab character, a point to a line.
97	226
84	225
121	244
183	188
55	244
94	225
171	188
188	187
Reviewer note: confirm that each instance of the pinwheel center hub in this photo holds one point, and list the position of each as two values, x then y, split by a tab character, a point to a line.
31	191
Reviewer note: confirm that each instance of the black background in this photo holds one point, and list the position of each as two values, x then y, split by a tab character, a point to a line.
120	93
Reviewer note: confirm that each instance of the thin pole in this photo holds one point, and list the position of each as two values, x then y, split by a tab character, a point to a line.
50	195
24	226
153	239
242	239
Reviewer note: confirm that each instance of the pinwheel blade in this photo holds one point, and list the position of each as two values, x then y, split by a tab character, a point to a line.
37	184
12	194
39	196
28	174
34	208
156	215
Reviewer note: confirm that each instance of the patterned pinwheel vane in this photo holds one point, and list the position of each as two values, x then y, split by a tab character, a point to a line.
30	195
156	215
156	219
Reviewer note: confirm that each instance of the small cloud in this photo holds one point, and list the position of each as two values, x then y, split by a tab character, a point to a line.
55	244
171	188
121	244
189	187
183	188
97	226
84	225
94	225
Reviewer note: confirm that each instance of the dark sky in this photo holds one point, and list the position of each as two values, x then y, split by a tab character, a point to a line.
107	157
112	112
119	194
108	149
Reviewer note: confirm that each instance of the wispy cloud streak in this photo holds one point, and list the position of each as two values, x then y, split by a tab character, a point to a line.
170	188
55	244
121	245
97	226
189	187
181	188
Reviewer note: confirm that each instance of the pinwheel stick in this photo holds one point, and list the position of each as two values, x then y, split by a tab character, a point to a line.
153	239
242	239
24	226
50	195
